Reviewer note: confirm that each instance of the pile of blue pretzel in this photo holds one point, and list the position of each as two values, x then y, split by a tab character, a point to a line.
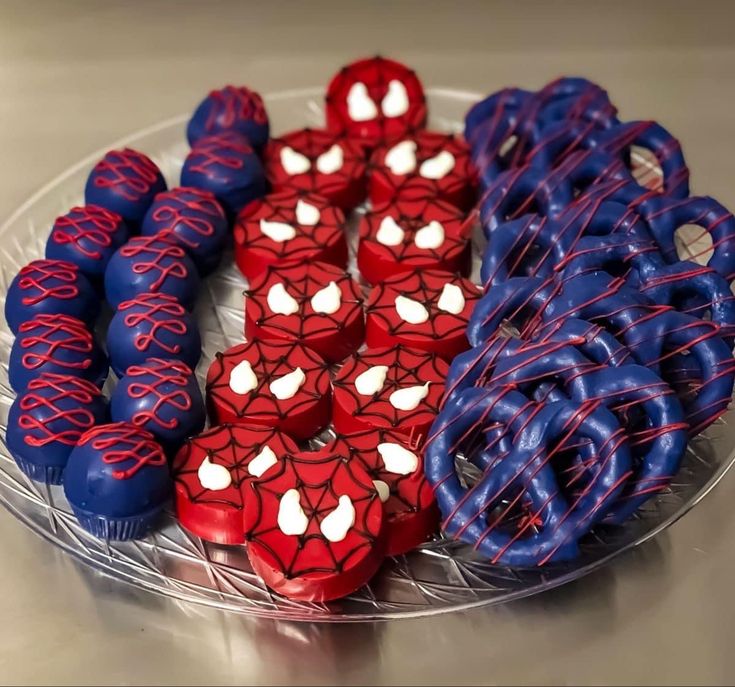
597	351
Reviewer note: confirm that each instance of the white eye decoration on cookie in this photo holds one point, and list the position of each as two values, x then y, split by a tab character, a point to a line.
360	106
382	488
371	381
294	162
401	158
263	461
411	311
389	232
339	522
409	398
451	299
291	517
437	167
242	378
395	103
277	231
327	300
280	301
307	214
288	385
430	236
398	459
331	161
213	476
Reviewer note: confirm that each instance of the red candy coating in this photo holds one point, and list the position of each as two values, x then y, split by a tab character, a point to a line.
324	241
217	515
333	336
301	416
442	333
378	261
308	566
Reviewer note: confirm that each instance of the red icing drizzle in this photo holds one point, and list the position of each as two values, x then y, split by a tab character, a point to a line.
155	303
157	250
163	372
123	442
75	337
212	150
231	104
35	275
63	386
87	225
129	172
173	211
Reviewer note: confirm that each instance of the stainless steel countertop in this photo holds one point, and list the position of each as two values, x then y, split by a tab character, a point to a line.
75	76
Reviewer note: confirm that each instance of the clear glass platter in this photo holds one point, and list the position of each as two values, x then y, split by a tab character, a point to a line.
439	577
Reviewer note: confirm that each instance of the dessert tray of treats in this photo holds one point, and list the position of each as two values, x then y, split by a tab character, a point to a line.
373	352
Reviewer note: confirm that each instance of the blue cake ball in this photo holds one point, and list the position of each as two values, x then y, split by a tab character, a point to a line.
226	165
152	325
163	397
117	481
58	344
151	264
46	421
87	236
194	219
124	181
230	108
53	287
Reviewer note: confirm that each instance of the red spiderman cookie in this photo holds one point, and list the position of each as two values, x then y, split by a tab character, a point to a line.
210	474
316	304
314	527
281	385
289	227
425	164
318	162
412	234
426	309
397	470
389	388
375	100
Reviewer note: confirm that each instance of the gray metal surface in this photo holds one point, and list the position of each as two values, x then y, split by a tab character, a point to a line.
75	76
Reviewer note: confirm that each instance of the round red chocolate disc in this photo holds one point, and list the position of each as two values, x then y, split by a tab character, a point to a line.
319	162
396	467
210	473
426	309
314	527
316	304
375	100
389	388
412	234
425	164
288	227
281	385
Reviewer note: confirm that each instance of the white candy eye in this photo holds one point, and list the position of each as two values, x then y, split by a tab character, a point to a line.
360	106
213	476
307	215
451	299
382	488
327	300
430	237
280	301
330	161
410	397
243	379
389	232
411	311
294	162
287	386
277	231
395	103
291	517
398	459
401	158
264	460
371	381
437	167
338	523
